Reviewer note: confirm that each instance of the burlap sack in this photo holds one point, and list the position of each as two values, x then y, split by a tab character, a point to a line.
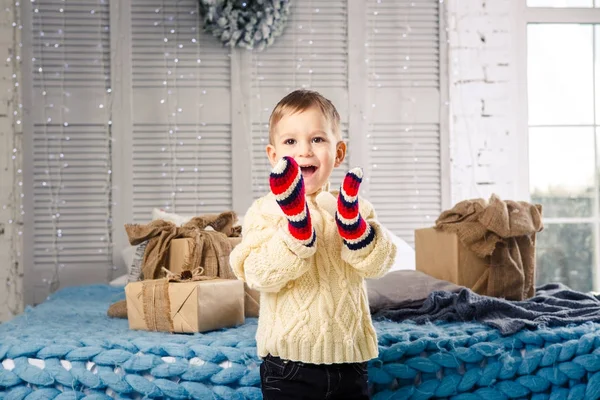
159	235
506	232
118	309
210	249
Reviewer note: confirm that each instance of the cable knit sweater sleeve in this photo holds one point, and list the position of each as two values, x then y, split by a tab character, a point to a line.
268	256
374	260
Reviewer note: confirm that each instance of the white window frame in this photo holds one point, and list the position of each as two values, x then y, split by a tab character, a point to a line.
548	15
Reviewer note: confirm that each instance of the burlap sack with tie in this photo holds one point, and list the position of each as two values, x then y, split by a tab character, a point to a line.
211	252
211	249
506	232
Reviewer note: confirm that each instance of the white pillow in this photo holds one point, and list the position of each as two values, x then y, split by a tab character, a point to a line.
177	219
127	255
405	255
120	281
132	258
180	220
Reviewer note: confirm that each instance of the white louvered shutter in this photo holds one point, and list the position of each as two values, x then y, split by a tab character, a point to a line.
181	159
404	122
312	54
187	108
71	145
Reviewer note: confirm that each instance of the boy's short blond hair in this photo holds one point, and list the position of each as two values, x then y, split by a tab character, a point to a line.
301	100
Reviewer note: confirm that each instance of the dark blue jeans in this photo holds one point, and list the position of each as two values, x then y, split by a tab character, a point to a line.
291	380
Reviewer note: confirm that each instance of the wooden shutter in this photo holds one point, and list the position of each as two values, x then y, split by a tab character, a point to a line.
71	165
181	142
312	53
404	105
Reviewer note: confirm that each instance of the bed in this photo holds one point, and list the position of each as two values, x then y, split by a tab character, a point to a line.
67	348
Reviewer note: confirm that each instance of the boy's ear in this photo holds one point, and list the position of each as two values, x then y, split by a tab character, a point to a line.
271	154
340	153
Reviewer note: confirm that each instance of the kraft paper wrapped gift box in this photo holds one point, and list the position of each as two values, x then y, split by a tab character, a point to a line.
441	255
185	307
180	254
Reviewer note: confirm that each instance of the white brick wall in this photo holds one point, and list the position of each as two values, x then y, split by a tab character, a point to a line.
11	273
482	100
484	142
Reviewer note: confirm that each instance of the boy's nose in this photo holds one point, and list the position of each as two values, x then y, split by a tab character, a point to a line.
305	150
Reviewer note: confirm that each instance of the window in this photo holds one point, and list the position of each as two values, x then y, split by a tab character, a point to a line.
134	107
563	92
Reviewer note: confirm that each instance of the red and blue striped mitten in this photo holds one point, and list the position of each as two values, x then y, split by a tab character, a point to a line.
287	185
355	231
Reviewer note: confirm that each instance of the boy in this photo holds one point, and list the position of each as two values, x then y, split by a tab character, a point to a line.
308	253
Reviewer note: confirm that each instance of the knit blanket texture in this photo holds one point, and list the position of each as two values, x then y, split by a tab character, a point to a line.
553	305
67	348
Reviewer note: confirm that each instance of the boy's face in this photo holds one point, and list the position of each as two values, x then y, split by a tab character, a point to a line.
307	137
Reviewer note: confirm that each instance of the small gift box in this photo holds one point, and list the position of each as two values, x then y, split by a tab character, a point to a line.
186	303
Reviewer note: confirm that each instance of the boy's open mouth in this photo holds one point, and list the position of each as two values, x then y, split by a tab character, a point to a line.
308	170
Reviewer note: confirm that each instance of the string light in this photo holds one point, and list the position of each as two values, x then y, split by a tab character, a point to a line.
305	72
105	102
262	124
183	128
268	73
198	118
14	229
369	115
171	129
312	55
408	131
57	133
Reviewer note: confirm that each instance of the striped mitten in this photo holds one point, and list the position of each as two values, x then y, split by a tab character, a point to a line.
355	231
287	185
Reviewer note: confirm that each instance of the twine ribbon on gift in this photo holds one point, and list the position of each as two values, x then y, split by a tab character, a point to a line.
156	301
159	233
196	274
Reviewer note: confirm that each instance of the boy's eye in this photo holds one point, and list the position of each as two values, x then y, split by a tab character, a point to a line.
318	140
289	141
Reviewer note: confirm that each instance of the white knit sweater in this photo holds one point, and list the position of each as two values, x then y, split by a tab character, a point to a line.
313	305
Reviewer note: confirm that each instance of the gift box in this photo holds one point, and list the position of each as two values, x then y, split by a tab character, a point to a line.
441	255
181	254
186	306
489	246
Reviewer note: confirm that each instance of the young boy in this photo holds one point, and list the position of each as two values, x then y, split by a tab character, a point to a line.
308	250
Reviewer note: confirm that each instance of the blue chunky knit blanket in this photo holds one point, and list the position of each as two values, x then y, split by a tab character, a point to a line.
66	348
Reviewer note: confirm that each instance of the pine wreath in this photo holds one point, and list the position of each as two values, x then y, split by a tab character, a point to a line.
251	24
